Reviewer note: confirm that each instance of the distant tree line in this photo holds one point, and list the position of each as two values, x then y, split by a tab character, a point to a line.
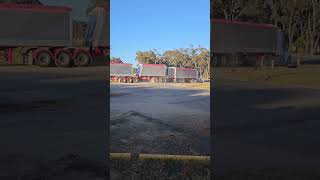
298	19
197	58
115	60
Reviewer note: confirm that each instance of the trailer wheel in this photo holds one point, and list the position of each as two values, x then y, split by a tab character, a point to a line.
157	80
63	59
130	80
135	80
123	80
43	59
164	80
82	59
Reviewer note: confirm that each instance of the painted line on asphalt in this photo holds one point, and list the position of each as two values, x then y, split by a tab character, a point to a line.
117	156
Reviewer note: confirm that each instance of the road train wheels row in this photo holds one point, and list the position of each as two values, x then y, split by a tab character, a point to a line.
185	80
158	80
127	79
61	58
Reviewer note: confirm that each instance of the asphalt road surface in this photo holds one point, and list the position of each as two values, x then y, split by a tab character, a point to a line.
159	119
53	123
265	131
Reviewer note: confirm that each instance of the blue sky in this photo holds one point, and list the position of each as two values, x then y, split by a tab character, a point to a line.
139	25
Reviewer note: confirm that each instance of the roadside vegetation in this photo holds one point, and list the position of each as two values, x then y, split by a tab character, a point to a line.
307	76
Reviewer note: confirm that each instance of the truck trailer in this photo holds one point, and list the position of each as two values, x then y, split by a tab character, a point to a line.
234	42
152	72
122	72
47	36
176	74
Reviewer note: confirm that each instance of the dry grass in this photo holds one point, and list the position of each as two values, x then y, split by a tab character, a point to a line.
204	86
307	76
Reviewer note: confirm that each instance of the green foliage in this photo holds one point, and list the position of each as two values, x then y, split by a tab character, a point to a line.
115	60
148	57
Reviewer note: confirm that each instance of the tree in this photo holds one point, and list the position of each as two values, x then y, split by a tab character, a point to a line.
310	25
115	60
237	9
147	57
197	58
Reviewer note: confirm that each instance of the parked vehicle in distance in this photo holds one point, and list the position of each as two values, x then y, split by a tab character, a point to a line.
152	72
176	74
122	72
156	73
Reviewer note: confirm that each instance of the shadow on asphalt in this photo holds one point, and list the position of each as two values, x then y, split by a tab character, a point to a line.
275	143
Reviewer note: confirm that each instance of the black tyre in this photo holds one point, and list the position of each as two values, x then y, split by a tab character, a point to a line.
123	80
135	80
157	80
44	59
164	80
63	59
130	80
82	59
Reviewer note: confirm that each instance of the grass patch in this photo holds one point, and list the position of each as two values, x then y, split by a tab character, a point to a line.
306	76
205	85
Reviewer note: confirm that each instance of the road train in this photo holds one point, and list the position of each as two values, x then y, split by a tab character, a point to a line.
156	73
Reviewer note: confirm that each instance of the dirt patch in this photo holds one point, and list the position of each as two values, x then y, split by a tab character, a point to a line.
155	169
306	76
132	131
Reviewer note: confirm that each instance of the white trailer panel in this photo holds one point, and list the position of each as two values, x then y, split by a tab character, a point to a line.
120	69
155	70
186	73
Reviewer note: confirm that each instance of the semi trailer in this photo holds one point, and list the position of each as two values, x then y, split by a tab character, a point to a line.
176	74
236	43
156	73
48	36
122	72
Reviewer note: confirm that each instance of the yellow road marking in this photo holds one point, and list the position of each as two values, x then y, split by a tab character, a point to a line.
114	156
